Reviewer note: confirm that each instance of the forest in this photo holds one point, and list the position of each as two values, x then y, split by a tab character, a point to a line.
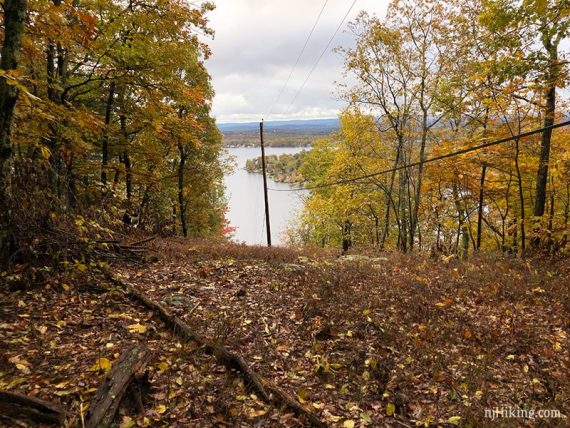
111	124
425	283
435	78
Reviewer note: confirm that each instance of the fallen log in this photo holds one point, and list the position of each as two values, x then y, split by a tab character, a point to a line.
129	367
266	390
142	241
16	405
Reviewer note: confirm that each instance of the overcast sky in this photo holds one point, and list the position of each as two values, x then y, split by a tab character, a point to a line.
256	45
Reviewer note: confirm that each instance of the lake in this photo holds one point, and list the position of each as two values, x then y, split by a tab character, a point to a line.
245	197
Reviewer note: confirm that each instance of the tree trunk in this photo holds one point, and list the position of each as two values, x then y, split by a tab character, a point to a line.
480	211
105	142
566	217
14	25
515	235
462	226
521	197
551	240
418	190
402	202
181	204
376	238
50	71
549	112
61	69
126	159
346	236
389	198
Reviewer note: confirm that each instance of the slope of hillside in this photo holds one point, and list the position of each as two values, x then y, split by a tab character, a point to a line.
356	341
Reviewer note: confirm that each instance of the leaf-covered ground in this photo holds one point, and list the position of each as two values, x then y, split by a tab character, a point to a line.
392	341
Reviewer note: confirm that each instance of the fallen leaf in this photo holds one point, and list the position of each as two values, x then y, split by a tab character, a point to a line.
20	364
16	382
101	364
137	328
454	420
252	413
23	368
127	422
303	395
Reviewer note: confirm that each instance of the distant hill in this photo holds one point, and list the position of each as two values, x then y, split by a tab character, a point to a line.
305	127
278	133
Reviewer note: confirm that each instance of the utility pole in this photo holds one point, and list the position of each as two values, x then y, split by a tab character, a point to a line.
267	223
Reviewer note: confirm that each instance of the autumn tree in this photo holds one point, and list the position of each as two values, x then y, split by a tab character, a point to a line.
439	77
538	27
401	69
345	215
116	89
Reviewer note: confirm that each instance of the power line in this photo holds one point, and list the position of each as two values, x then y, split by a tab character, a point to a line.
434	159
298	58
325	50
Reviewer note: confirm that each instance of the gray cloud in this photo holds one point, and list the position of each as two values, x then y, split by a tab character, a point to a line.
256	45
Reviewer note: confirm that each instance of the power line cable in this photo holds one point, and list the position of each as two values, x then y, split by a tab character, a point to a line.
434	159
298	58
325	50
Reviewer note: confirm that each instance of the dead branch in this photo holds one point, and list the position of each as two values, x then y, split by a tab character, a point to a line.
16	405
130	366
142	241
266	390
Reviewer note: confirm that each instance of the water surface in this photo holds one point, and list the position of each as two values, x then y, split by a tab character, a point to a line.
245	196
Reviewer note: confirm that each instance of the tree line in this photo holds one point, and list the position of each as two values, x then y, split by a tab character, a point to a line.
105	114
283	168
430	78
